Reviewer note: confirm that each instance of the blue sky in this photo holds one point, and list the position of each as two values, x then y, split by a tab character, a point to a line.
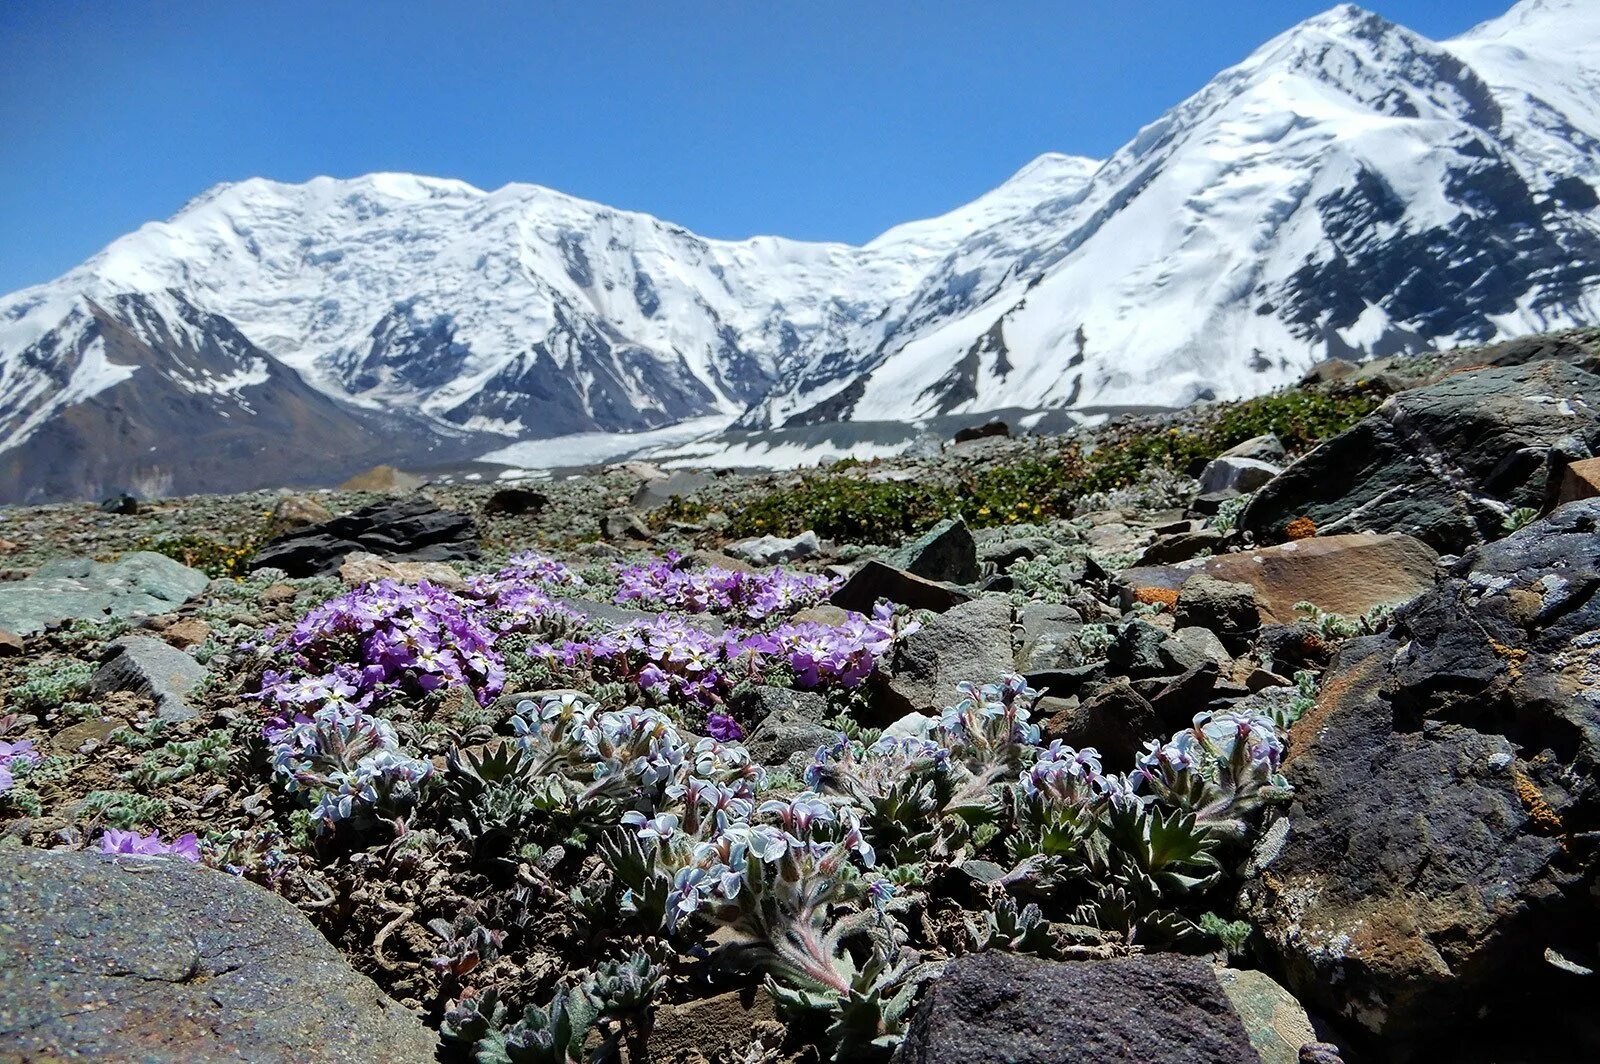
813	119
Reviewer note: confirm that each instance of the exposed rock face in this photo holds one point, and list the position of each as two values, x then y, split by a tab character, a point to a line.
139	584
157	960
972	639
1444	785
152	668
1347	575
1151	1009
410	529
945	552
1445	463
875	580
771	550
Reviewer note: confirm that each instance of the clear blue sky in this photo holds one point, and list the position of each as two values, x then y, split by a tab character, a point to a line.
817	119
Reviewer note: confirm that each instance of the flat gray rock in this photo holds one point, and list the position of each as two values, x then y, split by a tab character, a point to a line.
149	667
158	960
142	583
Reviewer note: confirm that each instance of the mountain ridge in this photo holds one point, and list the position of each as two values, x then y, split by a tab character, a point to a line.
1351	188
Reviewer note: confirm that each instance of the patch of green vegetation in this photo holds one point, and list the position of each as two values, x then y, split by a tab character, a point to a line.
177	761
51	683
847	508
216	558
122	809
1233	934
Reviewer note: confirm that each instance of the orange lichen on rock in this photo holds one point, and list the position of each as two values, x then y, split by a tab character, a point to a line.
1151	596
1300	528
1545	819
1514	657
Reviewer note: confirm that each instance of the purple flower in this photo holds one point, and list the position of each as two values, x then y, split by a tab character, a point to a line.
723	728
134	844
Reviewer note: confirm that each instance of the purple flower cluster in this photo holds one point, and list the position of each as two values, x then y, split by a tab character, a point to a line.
382	639
16	754
676	661
131	843
666	585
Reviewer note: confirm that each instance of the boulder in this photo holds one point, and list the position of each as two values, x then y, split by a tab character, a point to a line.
123	504
624	524
409	529
1049	638
1222	607
294	512
360	568
514	501
1277	1024
658	491
971	641
1430	866
1181	546
774	550
1444	463
384	478
153	669
875	580
138	584
981	432
160	960
1579	480
1265	448
1004	553
945	552
1348	575
1116	720
1152	1009
788	723
1236	474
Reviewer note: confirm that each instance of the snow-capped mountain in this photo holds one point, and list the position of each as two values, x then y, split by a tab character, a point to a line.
1351	188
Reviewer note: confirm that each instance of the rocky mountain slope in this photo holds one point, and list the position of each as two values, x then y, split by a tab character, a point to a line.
1352	188
1264	765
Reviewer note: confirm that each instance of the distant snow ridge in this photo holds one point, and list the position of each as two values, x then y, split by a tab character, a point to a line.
1351	188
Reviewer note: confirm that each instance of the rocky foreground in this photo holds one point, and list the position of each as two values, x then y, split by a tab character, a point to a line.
1263	732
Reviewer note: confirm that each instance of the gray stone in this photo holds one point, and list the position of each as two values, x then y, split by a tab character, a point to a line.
875	580
1004	553
1049	638
1267	448
162	961
153	669
1276	1023
945	552
1225	608
1236	474
1188	647
658	491
624	524
1445	462
1152	1009
139	584
1136	650
971	641
773	550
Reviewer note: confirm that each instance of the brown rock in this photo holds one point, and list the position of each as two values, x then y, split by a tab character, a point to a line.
186	633
10	644
361	568
1347	575
875	580
276	593
1115	720
383	478
296	512
707	1029
1580	480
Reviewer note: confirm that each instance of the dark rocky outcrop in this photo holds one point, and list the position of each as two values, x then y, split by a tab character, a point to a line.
875	580
157	960
411	529
1160	1009
1445	463
945	552
1435	877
